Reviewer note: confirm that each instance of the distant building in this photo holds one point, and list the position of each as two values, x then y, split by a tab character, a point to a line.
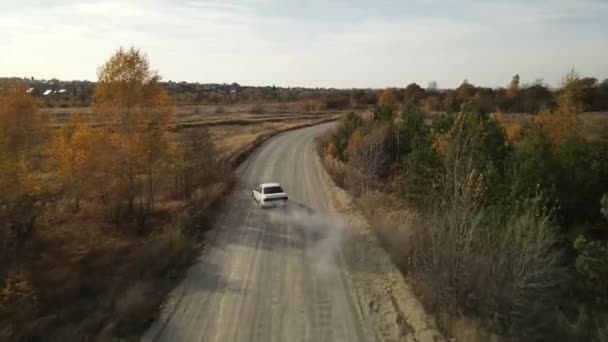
47	92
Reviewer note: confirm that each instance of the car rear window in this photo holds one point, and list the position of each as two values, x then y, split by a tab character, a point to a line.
273	190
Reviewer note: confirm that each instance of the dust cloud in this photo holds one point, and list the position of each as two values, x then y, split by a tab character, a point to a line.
324	235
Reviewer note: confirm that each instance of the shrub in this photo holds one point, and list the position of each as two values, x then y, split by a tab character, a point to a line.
197	163
339	171
388	99
368	157
495	264
578	188
420	177
592	267
384	114
413	129
530	167
343	132
591	285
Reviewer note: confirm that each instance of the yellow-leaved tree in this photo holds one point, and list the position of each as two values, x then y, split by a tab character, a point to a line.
72	152
389	99
136	143
513	88
24	128
22	133
565	118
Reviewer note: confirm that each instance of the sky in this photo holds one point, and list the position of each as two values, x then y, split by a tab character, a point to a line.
313	43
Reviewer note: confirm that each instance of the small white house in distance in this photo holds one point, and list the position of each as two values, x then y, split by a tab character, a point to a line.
61	91
30	90
46	92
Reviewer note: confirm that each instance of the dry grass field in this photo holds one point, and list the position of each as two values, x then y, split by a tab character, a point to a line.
209	113
232	127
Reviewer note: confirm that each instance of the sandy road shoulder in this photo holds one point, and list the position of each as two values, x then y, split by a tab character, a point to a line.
381	293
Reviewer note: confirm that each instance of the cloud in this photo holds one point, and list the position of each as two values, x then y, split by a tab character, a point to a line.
313	43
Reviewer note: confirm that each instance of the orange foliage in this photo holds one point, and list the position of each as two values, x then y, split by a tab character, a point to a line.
558	123
513	131
130	92
330	150
21	126
388	98
513	89
137	146
354	143
72	153
22	132
441	143
499	117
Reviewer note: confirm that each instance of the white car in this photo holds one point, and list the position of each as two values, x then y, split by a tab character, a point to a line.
270	195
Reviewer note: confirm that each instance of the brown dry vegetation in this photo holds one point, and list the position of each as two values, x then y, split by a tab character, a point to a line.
99	222
233	138
205	113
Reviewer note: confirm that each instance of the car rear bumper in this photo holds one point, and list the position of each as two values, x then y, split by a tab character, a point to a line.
274	204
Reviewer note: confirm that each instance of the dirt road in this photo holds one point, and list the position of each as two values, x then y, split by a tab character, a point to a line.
268	275
281	275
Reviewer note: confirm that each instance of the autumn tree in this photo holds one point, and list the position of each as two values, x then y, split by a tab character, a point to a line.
465	91
196	162
340	138
369	158
476	143
564	119
513	89
388	98
414	93
129	92
24	129
71	153
22	195
513	131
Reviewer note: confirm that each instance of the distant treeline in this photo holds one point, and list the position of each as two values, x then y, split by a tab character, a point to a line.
513	98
